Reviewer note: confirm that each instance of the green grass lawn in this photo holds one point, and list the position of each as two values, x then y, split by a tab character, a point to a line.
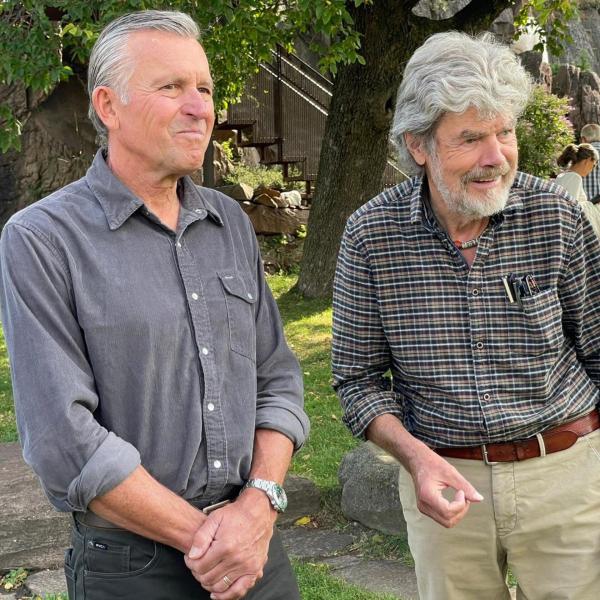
308	329
8	429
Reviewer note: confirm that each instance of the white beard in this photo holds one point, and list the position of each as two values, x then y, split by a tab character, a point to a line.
460	202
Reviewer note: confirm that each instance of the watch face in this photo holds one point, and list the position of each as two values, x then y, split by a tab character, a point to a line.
279	496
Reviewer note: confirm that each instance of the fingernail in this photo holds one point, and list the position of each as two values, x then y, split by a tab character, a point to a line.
194	552
478	496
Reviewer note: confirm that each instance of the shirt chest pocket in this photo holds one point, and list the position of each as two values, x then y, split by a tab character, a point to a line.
535	326
240	298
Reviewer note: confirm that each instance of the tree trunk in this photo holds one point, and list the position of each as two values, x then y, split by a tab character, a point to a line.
355	141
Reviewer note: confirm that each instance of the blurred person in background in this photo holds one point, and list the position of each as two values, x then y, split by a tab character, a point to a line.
579	162
590	134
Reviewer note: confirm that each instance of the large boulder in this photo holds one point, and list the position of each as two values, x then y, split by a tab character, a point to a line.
535	65
583	89
237	191
369	478
269	220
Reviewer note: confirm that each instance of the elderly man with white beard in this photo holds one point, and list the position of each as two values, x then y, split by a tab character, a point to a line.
477	289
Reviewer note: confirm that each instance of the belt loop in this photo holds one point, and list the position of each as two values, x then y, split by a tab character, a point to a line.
542	445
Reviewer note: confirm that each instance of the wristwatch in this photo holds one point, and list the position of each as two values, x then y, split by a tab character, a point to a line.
273	490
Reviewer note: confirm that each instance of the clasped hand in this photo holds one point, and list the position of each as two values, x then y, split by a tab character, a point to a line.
230	548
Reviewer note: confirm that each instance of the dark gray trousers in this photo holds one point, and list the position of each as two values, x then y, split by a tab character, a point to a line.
111	564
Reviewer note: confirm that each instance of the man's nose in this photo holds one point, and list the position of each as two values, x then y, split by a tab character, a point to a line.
198	104
492	154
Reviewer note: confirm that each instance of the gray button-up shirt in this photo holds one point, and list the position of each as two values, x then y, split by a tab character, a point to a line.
130	343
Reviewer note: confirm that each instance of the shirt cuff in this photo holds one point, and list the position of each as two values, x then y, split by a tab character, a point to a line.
360	413
291	422
112	462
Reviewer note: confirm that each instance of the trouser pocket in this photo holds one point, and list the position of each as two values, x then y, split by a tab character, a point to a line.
70	574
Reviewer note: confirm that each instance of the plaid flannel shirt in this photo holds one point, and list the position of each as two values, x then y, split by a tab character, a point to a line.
591	182
467	366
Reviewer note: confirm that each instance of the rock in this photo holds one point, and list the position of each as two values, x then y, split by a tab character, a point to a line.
312	544
249	156
369	478
33	535
534	64
263	189
222	165
583	88
304	499
590	106
383	576
277	197
265	200
293	198
237	191
275	220
47	582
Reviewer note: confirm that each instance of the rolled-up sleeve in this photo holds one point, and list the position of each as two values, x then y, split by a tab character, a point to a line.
53	384
360	352
280	392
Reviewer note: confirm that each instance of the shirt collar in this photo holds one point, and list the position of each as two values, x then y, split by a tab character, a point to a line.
118	202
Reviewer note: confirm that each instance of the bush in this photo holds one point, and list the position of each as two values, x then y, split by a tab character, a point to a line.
255	176
542	132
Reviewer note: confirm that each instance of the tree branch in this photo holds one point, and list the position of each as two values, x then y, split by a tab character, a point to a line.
478	14
475	16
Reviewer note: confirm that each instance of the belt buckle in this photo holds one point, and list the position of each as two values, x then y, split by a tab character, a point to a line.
485	456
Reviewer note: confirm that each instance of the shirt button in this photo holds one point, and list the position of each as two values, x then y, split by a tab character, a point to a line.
487	397
198	210
217	464
249	296
210	406
179	244
205	351
475	292
195	296
479	345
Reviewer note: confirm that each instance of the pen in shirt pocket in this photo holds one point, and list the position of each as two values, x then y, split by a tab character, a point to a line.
518	287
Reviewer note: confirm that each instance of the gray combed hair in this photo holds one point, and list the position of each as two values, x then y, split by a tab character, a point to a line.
450	73
110	64
591	132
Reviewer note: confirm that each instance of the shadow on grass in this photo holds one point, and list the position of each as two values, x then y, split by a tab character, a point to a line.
294	305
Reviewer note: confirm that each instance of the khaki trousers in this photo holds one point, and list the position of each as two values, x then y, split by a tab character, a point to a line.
540	516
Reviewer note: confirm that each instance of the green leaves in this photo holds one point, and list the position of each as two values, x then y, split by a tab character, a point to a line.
549	19
39	50
542	132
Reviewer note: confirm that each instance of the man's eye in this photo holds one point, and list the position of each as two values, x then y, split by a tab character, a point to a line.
169	86
205	90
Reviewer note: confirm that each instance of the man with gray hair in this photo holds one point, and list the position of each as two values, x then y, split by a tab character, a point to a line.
156	397
590	134
478	289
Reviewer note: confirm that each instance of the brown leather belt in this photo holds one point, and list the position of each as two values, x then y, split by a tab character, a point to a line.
554	440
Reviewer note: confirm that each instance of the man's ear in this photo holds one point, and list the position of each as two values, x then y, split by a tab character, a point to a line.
106	103
415	147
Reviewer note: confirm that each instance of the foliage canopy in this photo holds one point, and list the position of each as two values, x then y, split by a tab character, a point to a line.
45	42
542	132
